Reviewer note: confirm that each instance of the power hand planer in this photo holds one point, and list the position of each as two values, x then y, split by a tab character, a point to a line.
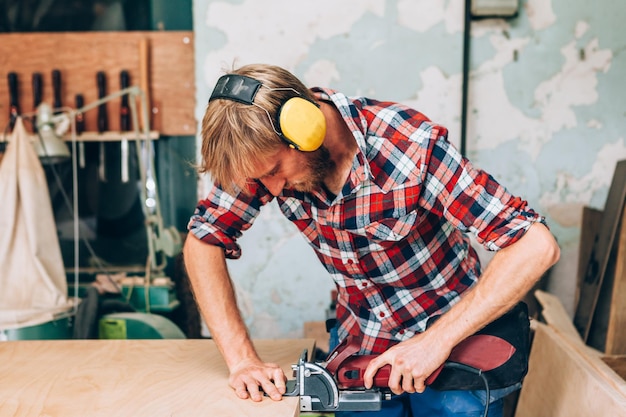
337	383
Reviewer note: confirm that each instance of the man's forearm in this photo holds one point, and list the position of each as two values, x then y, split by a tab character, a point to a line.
215	296
507	279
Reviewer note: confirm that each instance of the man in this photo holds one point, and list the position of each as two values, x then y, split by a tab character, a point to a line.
385	201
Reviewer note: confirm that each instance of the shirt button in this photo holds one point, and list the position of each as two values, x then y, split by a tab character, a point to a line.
381	314
350	262
401	331
364	284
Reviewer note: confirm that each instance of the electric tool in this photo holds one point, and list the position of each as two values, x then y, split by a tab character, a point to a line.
337	384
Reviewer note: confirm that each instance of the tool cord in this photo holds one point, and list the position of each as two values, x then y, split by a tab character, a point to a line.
476	371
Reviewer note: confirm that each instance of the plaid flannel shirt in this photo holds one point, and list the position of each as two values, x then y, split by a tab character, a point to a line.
394	239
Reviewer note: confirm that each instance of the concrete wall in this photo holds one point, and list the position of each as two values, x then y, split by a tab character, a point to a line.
546	110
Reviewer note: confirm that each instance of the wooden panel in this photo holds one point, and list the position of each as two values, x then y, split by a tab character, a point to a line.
565	381
66	378
317	330
80	55
608	326
554	314
589	229
617	364
599	259
616	329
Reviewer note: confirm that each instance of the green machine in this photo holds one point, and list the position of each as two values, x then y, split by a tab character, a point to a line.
58	328
137	326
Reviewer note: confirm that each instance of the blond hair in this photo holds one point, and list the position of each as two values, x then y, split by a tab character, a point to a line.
237	136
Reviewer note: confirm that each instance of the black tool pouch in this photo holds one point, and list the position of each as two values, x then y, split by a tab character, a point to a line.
513	327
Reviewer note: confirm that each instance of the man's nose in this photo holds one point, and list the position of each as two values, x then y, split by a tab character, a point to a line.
274	185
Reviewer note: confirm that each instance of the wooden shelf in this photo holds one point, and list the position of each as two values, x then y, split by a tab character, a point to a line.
109	136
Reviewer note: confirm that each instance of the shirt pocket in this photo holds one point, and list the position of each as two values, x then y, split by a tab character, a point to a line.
389	229
389	216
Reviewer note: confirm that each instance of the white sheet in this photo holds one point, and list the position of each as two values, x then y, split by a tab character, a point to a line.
33	286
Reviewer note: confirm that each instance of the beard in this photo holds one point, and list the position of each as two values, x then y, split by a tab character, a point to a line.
318	166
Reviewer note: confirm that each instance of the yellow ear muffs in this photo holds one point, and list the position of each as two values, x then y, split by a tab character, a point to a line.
302	124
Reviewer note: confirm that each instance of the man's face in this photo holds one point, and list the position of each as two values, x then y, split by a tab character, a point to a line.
292	169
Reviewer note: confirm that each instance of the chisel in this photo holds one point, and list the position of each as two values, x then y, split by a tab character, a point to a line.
80	128
37	83
56	90
124	125
14	107
103	122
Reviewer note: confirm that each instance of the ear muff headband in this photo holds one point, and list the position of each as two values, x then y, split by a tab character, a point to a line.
300	122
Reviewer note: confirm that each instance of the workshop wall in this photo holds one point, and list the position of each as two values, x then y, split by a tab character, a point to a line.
546	112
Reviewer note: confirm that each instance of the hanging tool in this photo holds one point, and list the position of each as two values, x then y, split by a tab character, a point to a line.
14	107
124	125
103	122
80	128
56	90
37	83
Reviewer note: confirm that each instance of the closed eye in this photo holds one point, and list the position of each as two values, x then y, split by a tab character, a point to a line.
272	173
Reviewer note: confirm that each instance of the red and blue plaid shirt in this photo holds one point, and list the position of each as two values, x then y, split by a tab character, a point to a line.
394	239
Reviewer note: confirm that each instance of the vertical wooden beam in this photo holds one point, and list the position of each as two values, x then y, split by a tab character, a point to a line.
599	260
616	331
589	229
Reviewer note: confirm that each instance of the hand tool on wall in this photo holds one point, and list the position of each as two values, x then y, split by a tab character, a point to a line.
37	83
56	90
80	128
124	125
124	108
14	107
80	117
103	121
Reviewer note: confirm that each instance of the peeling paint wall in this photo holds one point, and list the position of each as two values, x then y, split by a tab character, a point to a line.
546	110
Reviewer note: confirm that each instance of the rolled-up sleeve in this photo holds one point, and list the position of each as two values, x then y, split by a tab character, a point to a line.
471	199
220	218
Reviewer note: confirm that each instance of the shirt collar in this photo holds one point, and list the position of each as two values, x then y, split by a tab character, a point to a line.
356	122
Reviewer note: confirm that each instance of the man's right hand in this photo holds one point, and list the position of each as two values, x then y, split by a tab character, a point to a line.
251	378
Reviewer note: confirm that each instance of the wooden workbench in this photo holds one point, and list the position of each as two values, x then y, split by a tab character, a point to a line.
169	378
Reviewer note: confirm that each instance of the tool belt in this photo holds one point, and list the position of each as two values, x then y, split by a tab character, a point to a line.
497	355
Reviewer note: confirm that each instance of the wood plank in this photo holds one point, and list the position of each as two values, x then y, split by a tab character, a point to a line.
65	378
554	314
79	55
616	331
317	330
599	260
617	364
564	381
589	229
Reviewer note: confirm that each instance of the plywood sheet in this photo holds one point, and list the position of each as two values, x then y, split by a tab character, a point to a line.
317	330
564	380
80	55
589	229
555	315
608	327
591	284
122	378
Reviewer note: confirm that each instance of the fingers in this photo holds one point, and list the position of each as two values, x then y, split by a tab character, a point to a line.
402	378
400	383
255	382
275	387
373	367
